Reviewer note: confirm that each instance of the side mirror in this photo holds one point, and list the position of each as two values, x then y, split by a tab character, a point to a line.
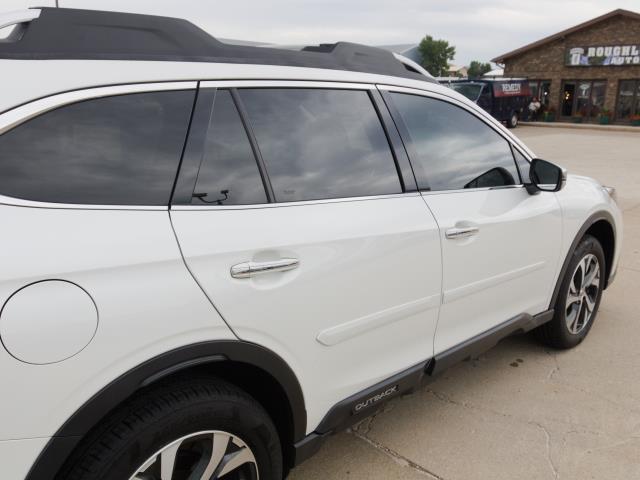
545	177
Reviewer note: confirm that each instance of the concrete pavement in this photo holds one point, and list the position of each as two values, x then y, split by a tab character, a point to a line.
522	411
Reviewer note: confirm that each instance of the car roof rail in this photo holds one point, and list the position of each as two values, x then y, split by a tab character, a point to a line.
14	19
413	66
73	34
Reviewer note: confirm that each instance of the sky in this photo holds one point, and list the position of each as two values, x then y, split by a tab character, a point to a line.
479	29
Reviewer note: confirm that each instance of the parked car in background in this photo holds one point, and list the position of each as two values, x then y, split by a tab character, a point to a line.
215	256
506	99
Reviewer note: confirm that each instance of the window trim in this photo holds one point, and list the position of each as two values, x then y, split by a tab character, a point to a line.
23	113
409	185
386	90
182	207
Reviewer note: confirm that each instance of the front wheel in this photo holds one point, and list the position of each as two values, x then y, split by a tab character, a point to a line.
512	122
191	429
579	297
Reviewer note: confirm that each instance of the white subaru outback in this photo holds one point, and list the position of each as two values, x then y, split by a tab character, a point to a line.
215	255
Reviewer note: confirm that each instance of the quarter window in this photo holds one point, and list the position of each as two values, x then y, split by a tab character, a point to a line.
321	144
229	173
454	149
121	150
523	166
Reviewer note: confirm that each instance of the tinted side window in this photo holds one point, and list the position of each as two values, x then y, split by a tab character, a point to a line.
229	173
122	150
320	144
523	166
455	150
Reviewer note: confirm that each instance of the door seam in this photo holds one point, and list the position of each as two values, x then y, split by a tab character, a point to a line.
186	264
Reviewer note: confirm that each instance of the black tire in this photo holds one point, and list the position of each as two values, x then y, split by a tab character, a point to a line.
149	422
512	121
556	333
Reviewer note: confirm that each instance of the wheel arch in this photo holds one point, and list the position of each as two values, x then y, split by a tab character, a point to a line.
604	232
602	226
261	372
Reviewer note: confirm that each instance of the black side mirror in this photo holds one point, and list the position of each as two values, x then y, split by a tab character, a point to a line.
545	177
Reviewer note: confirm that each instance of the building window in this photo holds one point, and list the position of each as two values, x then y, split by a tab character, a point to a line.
540	89
583	98
628	99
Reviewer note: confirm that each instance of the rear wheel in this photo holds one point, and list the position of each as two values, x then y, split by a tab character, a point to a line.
187	430
512	122
579	297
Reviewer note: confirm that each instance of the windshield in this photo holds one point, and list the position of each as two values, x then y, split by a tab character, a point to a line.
469	90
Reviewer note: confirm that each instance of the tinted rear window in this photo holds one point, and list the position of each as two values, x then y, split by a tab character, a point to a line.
121	150
321	144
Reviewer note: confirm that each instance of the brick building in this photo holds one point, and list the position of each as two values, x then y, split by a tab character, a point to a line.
585	70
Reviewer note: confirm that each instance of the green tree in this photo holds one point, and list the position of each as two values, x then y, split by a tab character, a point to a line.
436	55
477	69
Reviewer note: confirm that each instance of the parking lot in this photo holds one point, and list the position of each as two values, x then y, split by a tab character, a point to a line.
522	411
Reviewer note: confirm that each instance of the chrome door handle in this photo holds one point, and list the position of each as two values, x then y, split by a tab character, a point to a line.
462	232
249	269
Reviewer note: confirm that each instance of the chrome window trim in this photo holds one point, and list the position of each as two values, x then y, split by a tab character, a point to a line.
467	190
19	202
293	204
18	115
286	84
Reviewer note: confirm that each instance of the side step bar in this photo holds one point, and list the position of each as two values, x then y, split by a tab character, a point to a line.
365	403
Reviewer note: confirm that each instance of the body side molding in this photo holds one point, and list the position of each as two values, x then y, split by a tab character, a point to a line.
484	341
362	404
86	417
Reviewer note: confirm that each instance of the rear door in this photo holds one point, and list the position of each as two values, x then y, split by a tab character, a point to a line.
306	231
500	245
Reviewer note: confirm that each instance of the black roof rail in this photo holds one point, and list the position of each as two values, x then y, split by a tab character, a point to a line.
70	34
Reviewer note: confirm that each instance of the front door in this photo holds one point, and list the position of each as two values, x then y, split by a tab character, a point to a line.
500	245
314	251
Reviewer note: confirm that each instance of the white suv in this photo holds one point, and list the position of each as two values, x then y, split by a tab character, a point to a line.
216	255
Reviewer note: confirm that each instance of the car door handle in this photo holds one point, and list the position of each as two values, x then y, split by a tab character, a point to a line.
250	269
461	232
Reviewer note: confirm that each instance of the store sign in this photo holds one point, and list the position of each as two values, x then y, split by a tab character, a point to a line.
511	89
610	55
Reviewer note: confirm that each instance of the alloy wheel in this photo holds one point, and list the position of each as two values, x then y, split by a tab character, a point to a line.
208	455
583	293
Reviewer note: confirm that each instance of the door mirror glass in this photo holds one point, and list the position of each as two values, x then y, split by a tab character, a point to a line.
545	176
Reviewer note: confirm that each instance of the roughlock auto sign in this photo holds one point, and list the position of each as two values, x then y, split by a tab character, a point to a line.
603	55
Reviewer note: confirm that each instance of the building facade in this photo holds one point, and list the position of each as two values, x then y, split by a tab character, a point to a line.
586	72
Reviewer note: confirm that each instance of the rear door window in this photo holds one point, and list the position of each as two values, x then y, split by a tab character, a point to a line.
121	150
321	143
